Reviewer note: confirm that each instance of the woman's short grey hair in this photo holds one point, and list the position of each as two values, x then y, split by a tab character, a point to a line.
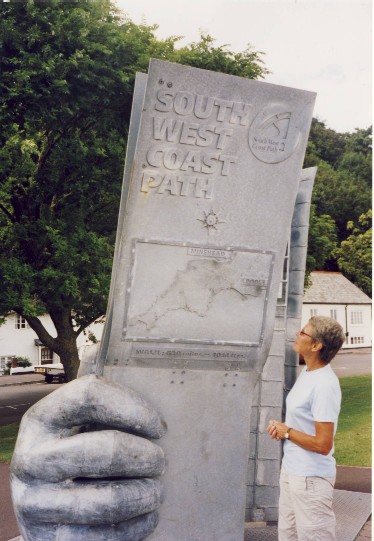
330	333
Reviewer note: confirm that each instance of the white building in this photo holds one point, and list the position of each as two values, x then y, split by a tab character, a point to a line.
333	295
17	339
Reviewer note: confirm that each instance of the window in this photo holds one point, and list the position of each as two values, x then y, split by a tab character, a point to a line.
46	355
357	339
313	312
333	313
4	360
356	317
21	322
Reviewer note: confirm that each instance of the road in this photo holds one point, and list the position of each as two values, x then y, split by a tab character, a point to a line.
15	400
353	362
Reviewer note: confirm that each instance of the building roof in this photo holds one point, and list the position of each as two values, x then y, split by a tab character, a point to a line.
333	288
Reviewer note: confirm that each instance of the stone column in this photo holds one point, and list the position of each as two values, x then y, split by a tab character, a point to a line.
279	372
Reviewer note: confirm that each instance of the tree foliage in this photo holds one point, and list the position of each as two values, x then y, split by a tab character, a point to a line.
205	55
68	71
354	255
342	193
322	240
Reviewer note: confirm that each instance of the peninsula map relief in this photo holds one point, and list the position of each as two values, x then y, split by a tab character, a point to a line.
197	294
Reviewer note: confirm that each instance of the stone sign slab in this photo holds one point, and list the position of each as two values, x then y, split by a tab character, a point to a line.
212	186
200	177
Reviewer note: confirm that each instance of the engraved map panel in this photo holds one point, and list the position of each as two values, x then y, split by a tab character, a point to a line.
185	293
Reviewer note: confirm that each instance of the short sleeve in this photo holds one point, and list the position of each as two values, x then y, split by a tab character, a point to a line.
326	402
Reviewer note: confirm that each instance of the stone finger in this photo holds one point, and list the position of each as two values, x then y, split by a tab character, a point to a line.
86	401
134	529
106	453
88	502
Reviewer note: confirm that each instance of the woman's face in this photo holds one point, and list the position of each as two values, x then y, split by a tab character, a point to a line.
304	340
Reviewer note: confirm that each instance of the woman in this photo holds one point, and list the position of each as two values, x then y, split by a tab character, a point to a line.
312	409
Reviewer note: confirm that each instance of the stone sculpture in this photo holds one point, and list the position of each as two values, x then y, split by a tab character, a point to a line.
70	483
211	177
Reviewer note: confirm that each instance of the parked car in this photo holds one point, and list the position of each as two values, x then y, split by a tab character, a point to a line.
21	370
52	372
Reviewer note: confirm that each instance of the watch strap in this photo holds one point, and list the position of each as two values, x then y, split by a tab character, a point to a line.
287	435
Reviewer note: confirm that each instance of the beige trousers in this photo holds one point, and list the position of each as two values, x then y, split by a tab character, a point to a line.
305	508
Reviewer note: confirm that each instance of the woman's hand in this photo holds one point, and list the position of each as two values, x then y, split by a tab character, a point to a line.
277	430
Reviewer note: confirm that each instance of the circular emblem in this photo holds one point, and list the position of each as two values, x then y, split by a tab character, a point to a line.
210	220
274	134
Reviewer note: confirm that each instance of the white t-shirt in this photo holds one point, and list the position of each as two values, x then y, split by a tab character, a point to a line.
316	396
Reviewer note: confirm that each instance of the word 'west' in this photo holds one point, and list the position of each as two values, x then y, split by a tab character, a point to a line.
190	133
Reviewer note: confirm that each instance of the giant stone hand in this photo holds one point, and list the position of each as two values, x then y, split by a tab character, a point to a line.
70	484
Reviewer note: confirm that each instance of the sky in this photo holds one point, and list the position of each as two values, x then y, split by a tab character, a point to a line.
324	46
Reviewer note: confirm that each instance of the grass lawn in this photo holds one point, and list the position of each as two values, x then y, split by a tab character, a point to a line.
352	440
8	436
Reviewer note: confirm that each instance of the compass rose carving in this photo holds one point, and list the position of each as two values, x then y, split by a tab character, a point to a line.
210	220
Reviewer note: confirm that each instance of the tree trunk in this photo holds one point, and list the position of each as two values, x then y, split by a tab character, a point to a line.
68	353
65	343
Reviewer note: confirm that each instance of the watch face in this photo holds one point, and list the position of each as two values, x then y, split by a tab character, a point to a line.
286	436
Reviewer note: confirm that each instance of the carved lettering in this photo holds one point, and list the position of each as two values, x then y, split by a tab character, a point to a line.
204	188
240	113
209	252
192	161
166	129
206	355
173	131
172	184
186	183
169	184
210	163
223	106
254	282
205	134
179	131
188	137
186	103
165	100
175	158
227	161
223	134
203	110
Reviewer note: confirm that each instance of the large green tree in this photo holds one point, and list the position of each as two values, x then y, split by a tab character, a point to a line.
322	240
342	191
67	74
354	255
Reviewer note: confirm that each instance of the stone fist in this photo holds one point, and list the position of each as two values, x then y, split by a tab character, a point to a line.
73	484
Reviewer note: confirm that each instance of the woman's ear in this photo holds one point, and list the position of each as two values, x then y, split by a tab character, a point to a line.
317	346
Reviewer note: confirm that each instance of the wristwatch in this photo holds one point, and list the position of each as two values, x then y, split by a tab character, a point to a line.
287	434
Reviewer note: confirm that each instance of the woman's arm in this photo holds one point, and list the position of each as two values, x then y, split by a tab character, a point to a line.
322	442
